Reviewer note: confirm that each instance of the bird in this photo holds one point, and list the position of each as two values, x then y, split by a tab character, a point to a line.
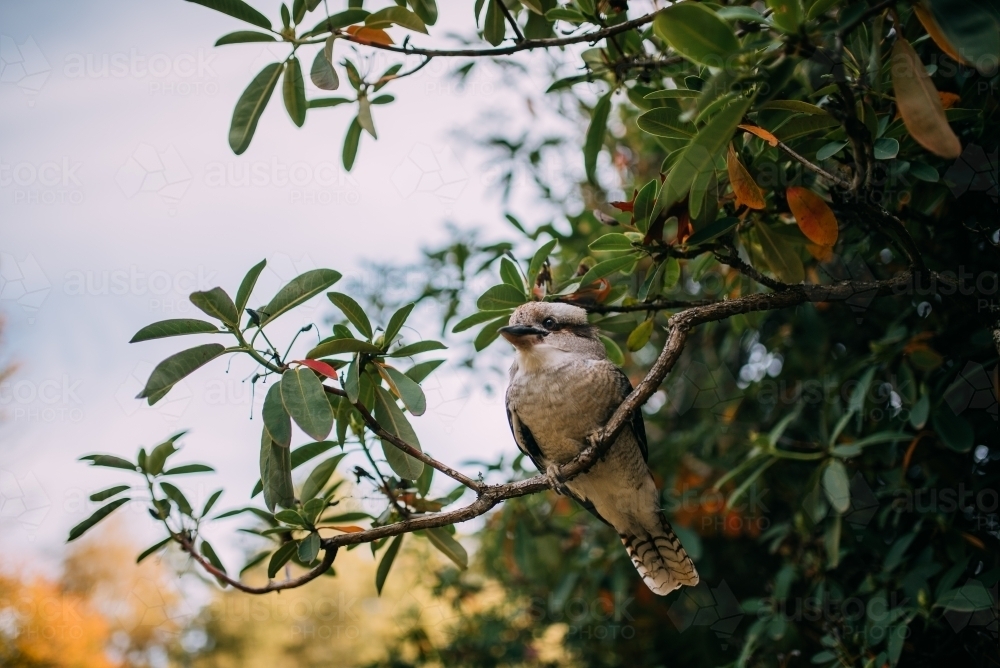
563	389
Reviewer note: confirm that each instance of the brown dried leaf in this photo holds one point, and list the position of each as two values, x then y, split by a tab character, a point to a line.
745	188
930	24
760	132
814	216
919	103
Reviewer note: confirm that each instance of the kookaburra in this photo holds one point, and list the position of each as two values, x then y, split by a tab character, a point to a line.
562	389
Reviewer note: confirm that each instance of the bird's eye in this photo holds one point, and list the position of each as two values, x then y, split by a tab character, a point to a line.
549	323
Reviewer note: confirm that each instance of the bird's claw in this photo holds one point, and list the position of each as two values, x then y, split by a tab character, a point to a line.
555	482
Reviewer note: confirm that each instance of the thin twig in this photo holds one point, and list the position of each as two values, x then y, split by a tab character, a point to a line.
510	19
526	45
843	183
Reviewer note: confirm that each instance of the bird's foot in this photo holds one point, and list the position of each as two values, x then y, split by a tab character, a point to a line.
555	482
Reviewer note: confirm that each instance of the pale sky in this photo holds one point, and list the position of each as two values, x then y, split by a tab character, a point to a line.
119	195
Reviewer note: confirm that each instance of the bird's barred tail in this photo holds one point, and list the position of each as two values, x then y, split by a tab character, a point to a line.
658	555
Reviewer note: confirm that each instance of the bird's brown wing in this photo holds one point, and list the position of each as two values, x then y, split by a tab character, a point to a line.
636	424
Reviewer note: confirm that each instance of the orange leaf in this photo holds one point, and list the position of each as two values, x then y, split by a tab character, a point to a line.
595	293
760	132
319	367
346	529
919	103
814	216
930	24
369	35
948	100
746	189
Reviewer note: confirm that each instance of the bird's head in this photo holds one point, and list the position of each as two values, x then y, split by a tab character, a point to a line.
538	326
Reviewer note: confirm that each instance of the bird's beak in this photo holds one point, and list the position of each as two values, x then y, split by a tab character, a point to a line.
518	334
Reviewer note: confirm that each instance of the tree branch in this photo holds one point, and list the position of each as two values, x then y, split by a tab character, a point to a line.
526	45
510	19
328	556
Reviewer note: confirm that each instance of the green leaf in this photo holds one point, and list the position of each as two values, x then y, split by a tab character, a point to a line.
243	37
340	346
209	553
277	421
293	91
320	475
782	259
418	372
830	150
365	119
494	27
177	496
639	337
612	242
671	93
696	33
489	333
158	457
417	348
607	267
217	304
280	558
836	486
450	547
538	259
189	468
254	560
250	106
645	201
176	367
671	273
322	72
322	102
665	122
109	461
886	148
247	286
390	552
290	517
305	400
716	228
954	430
298	290
400	16
351	142
396	322
99	515
338	21
355	314
700	154
238	10
108	493
309	548
210	503
794	105
276	474
510	275
303	454
404	387
595	133
804	125
786	14
176	327
920	411
152	549
970	597
501	297
392	419
614	352
477	318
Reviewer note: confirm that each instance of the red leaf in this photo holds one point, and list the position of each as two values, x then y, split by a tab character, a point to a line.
319	367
